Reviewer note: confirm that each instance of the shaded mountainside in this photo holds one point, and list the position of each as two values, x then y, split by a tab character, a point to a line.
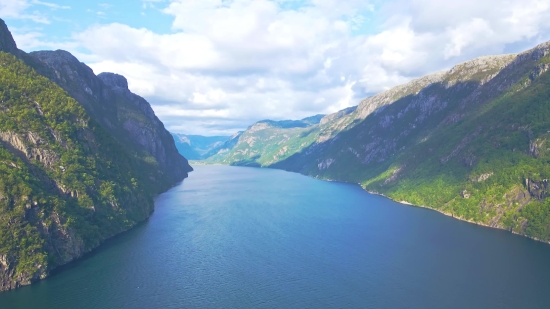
472	142
81	159
128	117
197	147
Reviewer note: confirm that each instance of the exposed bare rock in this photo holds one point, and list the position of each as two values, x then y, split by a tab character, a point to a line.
29	146
537	189
369	105
484	177
325	164
337	115
7	44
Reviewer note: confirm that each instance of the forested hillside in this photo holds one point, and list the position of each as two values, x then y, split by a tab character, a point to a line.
74	169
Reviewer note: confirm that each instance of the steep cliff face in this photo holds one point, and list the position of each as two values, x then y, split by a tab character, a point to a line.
7	44
142	126
470	142
72	172
125	115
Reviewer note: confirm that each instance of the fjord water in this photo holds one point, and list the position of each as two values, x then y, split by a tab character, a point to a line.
235	237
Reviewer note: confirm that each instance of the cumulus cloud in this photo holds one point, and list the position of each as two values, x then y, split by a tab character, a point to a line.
20	9
229	63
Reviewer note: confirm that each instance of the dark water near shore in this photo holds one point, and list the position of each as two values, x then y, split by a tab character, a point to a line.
233	237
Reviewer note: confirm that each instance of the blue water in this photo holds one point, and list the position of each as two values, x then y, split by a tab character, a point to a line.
235	237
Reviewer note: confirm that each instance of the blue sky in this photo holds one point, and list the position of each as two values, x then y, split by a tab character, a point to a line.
216	66
58	20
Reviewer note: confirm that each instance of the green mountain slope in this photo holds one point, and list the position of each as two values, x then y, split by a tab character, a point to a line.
268	141
471	142
77	165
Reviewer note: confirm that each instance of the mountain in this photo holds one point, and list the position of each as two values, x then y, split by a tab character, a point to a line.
81	158
471	142
128	117
267	142
198	147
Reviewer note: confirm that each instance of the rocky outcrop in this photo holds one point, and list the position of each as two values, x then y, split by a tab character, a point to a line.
537	189
28	145
115	81
151	134
126	115
7	44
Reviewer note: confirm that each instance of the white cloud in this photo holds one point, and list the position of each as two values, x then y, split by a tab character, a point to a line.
228	63
52	6
33	38
151	3
13	8
18	9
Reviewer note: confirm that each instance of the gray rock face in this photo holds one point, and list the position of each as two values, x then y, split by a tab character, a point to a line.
338	115
537	189
113	80
7	44
128	116
150	134
78	80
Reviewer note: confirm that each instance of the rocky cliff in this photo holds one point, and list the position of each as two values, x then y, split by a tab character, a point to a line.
128	117
81	158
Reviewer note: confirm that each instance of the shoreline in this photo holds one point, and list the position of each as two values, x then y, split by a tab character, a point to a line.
401	202
453	216
93	250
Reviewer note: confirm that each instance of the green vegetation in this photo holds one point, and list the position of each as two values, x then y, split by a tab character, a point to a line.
501	144
267	145
65	183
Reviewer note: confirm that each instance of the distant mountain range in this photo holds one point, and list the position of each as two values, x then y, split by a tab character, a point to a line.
472	142
198	147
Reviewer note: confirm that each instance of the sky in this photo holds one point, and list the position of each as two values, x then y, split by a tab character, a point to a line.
213	67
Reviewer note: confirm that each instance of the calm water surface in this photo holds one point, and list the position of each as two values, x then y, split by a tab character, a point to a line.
234	237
